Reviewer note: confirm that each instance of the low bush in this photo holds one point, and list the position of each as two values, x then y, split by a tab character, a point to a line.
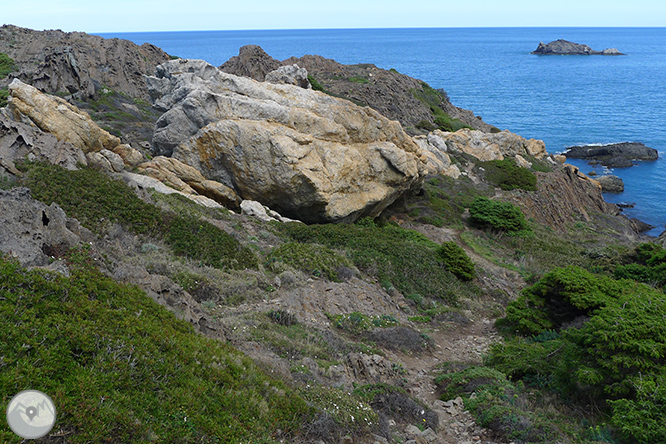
7	65
502	216
509	176
646	263
457	261
4	95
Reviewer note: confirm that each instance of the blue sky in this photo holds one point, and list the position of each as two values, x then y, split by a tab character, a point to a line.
179	15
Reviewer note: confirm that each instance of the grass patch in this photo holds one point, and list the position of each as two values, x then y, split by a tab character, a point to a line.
359	79
315	84
119	366
98	201
404	259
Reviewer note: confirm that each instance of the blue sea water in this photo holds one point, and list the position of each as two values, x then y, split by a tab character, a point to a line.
563	100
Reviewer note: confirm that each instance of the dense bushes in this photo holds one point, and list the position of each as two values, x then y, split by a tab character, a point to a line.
98	201
7	65
592	339
457	261
503	216
122	368
509	176
310	258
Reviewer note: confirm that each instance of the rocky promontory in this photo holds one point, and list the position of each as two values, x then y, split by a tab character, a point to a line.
565	47
614	155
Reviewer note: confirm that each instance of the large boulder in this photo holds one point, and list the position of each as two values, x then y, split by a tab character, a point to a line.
308	155
487	146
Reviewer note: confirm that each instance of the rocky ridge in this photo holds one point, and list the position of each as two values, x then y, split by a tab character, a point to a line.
392	94
78	64
565	47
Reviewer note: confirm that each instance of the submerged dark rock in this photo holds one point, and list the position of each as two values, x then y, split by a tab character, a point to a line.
565	47
615	155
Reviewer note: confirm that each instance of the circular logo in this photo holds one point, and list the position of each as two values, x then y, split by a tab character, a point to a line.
31	414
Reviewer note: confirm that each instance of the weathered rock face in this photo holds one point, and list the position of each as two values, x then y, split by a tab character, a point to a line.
78	63
310	156
565	47
31	229
29	107
615	155
611	184
563	197
386	91
487	146
56	116
290	75
19	141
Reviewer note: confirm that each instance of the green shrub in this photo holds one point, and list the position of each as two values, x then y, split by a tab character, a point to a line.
7	65
315	84
501	216
457	261
435	100
509	176
4	95
646	263
121	367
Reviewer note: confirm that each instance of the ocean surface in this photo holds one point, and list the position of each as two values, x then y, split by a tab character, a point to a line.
563	100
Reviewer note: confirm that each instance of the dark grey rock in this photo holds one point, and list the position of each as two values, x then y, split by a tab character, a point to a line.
565	47
32	232
639	226
79	64
611	184
614	155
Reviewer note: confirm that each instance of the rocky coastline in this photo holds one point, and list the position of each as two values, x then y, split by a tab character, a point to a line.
565	47
301	215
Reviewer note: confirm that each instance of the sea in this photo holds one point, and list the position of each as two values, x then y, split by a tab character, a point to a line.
562	100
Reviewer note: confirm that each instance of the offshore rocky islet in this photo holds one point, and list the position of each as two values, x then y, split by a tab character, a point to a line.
563	197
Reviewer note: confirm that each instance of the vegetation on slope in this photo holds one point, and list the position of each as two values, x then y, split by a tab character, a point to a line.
396	257
121	368
98	201
594	341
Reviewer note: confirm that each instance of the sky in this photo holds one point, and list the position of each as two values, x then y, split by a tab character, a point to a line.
177	15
